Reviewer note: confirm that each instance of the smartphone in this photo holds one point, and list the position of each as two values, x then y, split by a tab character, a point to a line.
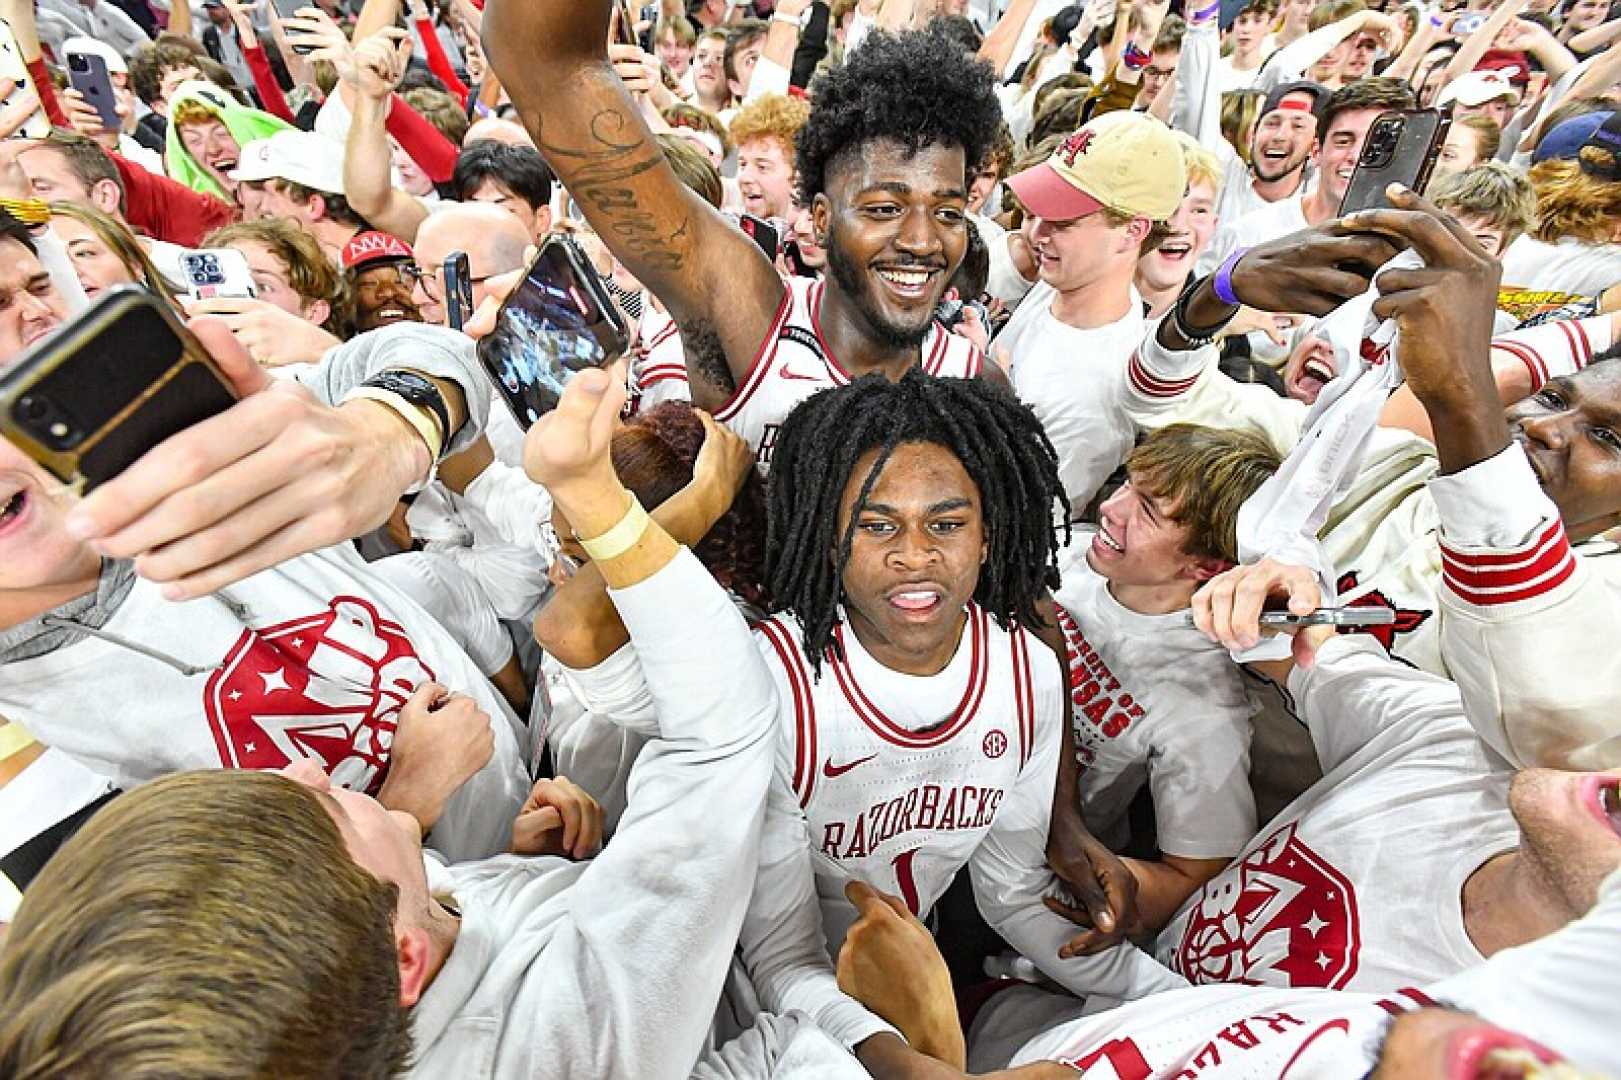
104	389
1341	616
286	9
1402	148
13	68
627	25
458	289
558	320
217	273
88	75
1468	23
762	232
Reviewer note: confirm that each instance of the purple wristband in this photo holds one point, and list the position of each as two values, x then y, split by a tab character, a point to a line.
1206	13
1223	281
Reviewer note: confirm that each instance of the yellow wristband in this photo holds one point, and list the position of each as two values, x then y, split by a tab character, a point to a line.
420	420
619	539
14	739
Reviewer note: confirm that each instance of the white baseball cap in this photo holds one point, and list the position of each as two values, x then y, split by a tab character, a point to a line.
1476	88
89	46
301	157
1124	161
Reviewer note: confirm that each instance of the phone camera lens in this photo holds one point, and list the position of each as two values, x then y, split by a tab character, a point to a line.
32	408
78	62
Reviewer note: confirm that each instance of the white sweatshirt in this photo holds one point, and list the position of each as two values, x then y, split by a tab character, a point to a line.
611	967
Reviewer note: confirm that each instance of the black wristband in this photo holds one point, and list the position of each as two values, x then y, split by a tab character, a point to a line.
419	390
1196	337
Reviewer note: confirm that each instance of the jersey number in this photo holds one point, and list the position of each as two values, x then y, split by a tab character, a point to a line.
904	878
1122	1055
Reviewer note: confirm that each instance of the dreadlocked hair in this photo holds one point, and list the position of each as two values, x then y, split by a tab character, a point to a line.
917	87
1001	445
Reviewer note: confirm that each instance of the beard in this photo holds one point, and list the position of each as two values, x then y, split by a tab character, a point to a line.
857	285
1565	860
1290	164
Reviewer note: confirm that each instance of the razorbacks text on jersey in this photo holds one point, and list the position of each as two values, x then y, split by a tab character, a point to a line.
795	362
900	794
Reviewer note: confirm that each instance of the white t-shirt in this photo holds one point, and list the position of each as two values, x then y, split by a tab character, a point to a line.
1564	266
1269	222
1072	379
1350	887
1153	701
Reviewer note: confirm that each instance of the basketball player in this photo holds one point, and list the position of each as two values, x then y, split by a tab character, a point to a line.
893	139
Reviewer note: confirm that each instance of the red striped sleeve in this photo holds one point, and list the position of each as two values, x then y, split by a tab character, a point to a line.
1148	384
1528	356
1491	578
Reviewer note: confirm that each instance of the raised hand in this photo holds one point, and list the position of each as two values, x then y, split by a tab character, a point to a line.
1227	609
380	61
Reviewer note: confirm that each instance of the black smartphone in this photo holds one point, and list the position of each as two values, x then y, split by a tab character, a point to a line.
104	389
558	320
286	9
762	232
627	25
1402	148
89	76
458	289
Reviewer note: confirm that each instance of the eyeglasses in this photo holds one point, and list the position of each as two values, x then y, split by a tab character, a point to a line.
429	279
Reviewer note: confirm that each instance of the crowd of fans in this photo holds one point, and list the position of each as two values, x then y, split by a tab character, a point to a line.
1008	390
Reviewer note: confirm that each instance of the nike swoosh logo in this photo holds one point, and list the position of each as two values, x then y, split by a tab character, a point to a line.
789	373
833	772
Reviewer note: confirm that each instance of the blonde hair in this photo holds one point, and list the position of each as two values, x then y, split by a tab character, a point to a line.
121	242
1203	475
1572	203
207	925
1492	191
1200	164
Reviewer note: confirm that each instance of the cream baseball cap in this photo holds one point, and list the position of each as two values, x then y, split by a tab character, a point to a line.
303	157
1124	161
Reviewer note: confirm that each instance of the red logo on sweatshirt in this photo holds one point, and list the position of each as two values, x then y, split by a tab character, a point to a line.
1282	917
1407	619
328	687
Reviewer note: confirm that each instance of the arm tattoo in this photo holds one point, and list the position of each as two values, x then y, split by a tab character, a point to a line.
596	175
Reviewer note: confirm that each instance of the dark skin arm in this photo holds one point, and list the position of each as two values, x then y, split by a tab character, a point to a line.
1444	311
716	283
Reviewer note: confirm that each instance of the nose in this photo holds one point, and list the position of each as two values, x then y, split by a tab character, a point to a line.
915	549
920	234
1549	429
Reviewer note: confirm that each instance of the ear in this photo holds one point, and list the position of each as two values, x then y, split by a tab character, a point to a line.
416	961
316	207
821	217
105	196
1200	568
543	223
318	312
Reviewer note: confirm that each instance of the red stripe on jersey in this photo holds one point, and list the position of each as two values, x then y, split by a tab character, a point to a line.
976	362
1418	997
1577	354
1390	1006
793	664
1148	384
662	336
663	371
761	366
1023	695
889	730
1492	578
1587	343
1529	357
937	354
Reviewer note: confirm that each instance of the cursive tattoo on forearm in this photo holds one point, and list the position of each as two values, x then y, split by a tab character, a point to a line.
597	176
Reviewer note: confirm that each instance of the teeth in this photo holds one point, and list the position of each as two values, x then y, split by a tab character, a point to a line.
1610	800
910	278
12	508
1108	541
1318	370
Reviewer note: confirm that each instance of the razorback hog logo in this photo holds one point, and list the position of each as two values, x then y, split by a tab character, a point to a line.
1407	619
1075	146
1282	917
328	687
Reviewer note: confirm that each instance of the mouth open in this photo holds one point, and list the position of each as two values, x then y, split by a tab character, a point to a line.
224	165
391	314
1313	376
908	282
919	601
1105	543
1604	797
1494	1054
11	513
1176	250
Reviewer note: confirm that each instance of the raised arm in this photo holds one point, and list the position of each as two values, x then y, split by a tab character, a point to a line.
552	58
1476	45
378	64
997	48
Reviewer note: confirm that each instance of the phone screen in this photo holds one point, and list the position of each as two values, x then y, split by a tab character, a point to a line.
554	324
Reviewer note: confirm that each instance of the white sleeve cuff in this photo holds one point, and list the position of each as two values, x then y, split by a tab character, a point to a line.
1496	503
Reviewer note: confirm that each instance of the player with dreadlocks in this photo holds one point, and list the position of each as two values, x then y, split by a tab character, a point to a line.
910	542
885	160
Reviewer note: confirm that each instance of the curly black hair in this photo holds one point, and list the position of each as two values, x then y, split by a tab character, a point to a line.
1001	445
918	88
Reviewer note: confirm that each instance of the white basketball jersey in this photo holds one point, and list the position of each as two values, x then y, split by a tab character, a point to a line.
900	776
659	370
795	362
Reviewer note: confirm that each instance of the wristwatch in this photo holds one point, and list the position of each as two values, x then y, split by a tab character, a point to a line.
418	390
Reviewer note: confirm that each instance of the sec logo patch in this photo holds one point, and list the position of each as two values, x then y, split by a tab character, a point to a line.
995	744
